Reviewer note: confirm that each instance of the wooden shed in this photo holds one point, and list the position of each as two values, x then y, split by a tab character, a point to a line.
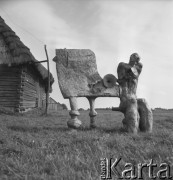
23	83
53	105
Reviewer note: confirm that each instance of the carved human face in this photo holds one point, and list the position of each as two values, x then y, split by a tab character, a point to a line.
134	59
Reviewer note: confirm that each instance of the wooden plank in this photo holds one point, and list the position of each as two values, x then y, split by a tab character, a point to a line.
31	75
9	74
28	85
9	88
28	106
10	77
8	83
9	99
30	80
30	98
28	88
9	95
8	105
12	70
26	102
29	93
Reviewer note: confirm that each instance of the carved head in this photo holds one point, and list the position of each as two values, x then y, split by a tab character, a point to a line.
134	59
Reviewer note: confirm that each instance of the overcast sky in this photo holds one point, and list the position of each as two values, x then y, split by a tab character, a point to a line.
113	29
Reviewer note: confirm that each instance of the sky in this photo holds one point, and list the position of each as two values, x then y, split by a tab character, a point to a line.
112	29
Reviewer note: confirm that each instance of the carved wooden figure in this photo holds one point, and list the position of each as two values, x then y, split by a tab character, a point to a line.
78	77
138	115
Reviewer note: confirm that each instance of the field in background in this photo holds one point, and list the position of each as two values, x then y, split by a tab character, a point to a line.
38	147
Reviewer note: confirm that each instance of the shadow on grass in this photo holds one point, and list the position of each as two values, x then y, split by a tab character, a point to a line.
32	129
24	128
112	130
116	130
60	129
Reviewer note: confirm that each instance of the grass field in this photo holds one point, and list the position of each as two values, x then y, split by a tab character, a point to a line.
36	147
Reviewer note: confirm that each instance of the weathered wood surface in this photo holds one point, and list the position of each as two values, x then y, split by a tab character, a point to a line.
78	75
32	89
18	87
137	113
20	78
28	97
53	105
9	86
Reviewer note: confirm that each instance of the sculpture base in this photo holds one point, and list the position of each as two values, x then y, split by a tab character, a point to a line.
74	123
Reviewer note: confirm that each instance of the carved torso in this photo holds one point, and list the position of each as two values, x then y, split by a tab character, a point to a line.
128	79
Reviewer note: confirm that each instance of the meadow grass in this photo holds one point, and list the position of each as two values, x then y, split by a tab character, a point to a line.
33	146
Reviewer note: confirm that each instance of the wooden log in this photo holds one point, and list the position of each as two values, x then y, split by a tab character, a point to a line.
29	95
10	91
10	95
8	99
28	98
29	85
27	88
9	77
8	83
30	80
28	105
9	88
6	70
9	105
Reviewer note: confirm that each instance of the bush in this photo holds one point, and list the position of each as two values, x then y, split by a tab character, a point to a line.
64	106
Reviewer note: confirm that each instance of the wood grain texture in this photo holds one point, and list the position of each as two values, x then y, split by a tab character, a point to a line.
78	75
137	113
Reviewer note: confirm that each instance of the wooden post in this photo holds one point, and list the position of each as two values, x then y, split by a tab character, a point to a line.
47	93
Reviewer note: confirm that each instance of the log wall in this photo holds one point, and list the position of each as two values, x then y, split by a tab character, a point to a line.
20	86
33	91
10	86
9	78
28	97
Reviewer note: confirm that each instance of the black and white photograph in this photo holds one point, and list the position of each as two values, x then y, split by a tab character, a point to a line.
86	89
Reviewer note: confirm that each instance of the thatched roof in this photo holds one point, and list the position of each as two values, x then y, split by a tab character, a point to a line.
17	53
